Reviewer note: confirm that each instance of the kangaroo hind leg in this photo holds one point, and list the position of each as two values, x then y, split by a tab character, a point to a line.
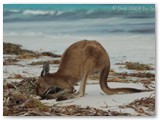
88	69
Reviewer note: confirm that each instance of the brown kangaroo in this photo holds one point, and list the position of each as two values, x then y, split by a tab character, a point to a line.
79	61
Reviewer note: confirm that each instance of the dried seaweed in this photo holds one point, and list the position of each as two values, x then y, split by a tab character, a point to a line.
50	54
18	103
14	49
139	74
10	61
42	62
74	110
27	85
10	48
143	106
136	66
20	100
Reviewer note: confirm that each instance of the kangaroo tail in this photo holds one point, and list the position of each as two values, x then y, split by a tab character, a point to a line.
106	89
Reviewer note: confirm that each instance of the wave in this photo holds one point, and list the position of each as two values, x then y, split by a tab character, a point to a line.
29	34
14	10
13	15
41	12
145	31
34	29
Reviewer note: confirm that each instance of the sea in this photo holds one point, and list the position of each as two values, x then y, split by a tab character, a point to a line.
127	31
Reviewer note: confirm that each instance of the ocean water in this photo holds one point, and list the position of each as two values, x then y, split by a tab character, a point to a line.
123	29
81	19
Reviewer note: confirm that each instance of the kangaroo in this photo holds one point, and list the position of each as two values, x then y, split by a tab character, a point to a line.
79	61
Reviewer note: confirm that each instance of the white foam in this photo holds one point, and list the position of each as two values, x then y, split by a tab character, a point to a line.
14	10
59	12
38	12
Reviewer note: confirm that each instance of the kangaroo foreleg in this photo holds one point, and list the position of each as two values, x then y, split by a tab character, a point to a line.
59	94
82	86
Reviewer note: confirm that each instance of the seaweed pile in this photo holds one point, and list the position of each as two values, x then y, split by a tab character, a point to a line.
20	99
14	49
144	106
41	62
17	103
136	66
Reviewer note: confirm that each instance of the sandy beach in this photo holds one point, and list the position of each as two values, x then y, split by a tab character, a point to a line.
21	68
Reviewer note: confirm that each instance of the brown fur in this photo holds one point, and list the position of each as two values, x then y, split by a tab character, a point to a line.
79	61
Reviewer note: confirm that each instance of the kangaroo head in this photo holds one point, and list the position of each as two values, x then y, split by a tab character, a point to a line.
42	85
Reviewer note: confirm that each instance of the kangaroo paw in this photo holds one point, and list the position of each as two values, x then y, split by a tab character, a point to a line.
78	95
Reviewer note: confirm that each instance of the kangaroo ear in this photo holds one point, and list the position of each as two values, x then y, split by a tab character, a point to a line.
46	69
